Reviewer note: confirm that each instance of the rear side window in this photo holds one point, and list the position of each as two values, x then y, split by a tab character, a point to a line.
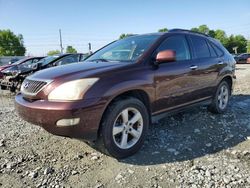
178	44
212	50
219	52
200	47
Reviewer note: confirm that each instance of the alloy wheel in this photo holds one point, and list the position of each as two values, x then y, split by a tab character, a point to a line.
127	128
223	97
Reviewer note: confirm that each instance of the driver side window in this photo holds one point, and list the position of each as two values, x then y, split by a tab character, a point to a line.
178	44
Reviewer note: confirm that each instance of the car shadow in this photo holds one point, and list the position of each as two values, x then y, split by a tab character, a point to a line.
195	133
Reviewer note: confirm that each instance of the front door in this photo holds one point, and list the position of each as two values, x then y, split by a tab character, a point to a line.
171	79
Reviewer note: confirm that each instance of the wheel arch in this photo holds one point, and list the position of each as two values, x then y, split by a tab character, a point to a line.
229	80
139	94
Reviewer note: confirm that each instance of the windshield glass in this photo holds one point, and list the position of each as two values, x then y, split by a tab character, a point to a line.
18	62
128	49
47	60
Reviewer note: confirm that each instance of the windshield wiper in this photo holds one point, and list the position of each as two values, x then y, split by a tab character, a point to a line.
100	59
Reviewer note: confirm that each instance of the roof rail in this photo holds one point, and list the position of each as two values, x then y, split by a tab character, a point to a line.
188	31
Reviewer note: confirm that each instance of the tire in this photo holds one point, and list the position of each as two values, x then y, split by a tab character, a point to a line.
122	138
221	98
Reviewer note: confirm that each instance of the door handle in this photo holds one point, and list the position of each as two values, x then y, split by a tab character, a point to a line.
193	67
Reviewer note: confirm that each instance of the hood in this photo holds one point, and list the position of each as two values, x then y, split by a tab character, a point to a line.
5	66
81	69
9	71
16	69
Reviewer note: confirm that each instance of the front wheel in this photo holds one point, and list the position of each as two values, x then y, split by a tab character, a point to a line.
220	99
124	127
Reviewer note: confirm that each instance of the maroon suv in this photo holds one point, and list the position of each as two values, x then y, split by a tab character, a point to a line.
114	94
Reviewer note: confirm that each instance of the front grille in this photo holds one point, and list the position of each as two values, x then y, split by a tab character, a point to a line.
32	87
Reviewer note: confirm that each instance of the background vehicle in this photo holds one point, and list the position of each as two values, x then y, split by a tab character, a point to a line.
113	97
13	61
14	76
242	58
26	61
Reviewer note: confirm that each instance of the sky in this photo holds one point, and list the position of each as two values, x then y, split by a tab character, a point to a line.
100	22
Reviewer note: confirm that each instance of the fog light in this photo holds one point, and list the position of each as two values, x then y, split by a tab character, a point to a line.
67	122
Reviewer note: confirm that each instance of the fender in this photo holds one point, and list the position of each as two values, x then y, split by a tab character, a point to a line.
130	85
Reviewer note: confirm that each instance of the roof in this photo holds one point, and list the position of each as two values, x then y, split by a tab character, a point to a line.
176	31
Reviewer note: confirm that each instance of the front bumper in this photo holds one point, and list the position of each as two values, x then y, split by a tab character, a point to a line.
46	114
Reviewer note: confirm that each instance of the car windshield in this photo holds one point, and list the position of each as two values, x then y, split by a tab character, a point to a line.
18	62
47	60
125	50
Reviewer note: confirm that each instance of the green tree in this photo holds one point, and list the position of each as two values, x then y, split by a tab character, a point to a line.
221	36
236	41
123	35
11	44
163	30
195	29
248	46
211	33
70	49
202	29
53	52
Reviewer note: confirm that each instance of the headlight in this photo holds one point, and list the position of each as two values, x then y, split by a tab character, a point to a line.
72	90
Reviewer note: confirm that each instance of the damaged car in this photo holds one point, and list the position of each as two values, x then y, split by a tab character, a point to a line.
26	61
14	76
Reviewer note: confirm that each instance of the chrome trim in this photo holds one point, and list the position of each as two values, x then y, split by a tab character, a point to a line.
35	79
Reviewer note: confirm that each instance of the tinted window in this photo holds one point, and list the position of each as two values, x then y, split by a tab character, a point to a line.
68	59
200	47
219	52
27	63
212	50
177	43
47	60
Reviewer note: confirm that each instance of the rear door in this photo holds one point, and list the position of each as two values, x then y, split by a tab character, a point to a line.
204	68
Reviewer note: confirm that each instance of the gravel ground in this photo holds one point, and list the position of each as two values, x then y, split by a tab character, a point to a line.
190	149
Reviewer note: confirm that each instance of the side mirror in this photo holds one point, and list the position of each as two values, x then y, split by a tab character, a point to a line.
166	56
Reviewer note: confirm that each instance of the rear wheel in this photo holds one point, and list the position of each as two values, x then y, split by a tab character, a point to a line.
124	127
221	98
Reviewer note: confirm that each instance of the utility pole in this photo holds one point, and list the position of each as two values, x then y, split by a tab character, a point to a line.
60	34
89	48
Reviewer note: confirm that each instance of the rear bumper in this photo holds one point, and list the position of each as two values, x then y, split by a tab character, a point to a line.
46	114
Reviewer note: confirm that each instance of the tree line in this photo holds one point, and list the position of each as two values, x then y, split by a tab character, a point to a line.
232	43
13	45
